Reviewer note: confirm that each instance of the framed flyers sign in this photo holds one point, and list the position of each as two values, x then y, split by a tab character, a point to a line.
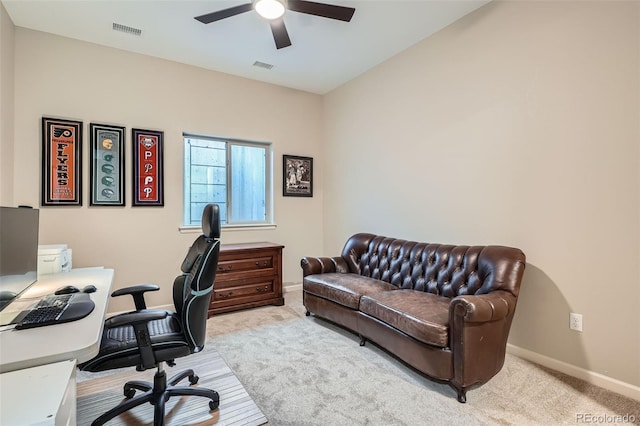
148	179
61	162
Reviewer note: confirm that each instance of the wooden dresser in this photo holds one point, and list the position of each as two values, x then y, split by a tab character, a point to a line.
248	275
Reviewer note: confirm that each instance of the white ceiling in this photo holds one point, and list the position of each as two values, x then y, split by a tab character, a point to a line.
325	53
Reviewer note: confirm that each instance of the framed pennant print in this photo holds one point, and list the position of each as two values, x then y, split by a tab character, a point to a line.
148	172
107	165
61	162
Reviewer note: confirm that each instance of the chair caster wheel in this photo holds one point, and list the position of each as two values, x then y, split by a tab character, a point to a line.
193	379
129	393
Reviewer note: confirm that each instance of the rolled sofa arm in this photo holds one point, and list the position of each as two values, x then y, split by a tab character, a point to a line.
479	328
483	307
322	265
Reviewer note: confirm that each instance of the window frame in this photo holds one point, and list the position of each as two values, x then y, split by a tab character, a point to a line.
229	142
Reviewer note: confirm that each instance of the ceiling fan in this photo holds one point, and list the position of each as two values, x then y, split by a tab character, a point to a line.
273	11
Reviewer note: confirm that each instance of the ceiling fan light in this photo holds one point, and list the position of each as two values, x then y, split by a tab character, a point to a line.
270	9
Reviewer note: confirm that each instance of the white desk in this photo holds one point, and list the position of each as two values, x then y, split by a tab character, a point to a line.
76	340
39	396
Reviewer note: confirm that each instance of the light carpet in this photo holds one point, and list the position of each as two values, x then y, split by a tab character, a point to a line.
306	371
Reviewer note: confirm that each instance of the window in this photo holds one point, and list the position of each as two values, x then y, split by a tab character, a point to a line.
234	174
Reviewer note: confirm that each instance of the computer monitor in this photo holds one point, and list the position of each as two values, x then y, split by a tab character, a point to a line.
18	251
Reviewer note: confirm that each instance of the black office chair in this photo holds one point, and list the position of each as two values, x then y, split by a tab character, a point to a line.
148	338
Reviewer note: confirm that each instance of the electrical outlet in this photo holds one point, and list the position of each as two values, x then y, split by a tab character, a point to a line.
575	321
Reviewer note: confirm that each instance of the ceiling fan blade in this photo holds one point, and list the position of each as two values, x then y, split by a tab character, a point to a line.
225	13
280	34
331	11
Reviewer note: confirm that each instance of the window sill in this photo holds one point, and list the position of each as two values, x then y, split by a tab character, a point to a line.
183	229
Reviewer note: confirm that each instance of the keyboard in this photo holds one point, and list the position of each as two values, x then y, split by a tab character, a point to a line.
58	309
58	302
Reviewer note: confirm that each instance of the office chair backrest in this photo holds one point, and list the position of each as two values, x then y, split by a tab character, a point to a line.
192	290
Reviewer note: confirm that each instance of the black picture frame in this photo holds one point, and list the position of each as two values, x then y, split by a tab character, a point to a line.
297	176
148	168
61	162
107	170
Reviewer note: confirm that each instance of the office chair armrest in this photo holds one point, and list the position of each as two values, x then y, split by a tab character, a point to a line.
139	320
137	292
130	318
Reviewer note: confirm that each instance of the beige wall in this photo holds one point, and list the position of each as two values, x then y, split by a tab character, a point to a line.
7	31
66	78
517	125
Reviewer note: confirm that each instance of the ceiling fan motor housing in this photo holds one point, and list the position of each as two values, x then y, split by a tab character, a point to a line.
270	9
276	22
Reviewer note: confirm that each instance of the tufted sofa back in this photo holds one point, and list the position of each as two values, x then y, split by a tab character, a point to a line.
445	270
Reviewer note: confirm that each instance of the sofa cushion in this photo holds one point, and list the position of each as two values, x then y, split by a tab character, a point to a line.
345	289
423	316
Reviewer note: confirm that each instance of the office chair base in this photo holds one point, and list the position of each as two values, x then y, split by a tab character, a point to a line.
158	394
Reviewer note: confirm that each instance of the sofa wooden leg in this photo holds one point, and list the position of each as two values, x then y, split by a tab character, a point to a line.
307	313
363	340
462	393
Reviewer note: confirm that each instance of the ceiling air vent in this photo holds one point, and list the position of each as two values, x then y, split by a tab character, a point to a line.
125	29
262	65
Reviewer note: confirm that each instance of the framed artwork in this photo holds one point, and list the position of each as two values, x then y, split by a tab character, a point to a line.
107	165
148	172
61	162
297	173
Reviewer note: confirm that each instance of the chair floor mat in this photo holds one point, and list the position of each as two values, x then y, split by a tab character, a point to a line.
98	392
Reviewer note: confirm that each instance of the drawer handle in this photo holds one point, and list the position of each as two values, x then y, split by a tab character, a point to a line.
262	289
225	295
222	268
264	264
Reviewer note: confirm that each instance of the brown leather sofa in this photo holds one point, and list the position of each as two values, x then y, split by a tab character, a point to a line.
445	310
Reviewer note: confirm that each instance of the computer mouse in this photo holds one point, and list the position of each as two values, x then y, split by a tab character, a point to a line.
6	295
67	289
89	288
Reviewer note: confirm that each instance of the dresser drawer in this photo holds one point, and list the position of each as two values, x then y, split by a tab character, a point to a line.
257	287
243	265
248	275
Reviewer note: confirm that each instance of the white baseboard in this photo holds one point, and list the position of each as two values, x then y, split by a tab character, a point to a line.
292	287
606	382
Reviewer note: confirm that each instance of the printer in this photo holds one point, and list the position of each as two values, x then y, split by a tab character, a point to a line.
53	258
